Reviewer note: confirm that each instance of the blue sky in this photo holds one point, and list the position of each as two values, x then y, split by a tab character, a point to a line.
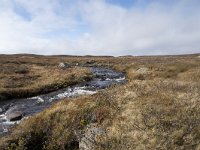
100	27
123	3
21	11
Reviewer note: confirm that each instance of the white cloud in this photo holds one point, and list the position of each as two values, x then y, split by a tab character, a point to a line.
99	28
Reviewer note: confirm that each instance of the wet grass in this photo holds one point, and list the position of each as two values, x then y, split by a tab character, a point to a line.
158	108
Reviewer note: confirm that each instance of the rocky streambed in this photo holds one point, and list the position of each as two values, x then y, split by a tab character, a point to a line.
13	111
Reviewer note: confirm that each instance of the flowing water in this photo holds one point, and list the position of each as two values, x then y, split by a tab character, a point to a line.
103	78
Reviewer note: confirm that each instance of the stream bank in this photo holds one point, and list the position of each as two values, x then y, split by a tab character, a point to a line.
11	112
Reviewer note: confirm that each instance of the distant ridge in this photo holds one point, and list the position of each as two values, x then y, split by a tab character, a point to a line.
38	55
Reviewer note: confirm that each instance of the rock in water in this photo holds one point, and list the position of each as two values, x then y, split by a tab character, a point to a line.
15	116
15	113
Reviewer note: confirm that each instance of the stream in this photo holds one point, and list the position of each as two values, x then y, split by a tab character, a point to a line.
103	78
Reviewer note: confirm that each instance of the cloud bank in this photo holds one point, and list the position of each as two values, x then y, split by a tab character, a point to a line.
99	27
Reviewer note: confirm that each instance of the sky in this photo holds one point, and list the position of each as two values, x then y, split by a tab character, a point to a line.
100	27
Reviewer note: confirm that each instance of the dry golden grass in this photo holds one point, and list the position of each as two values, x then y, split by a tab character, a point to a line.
156	109
158	115
27	79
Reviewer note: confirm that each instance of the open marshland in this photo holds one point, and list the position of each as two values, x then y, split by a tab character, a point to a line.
158	107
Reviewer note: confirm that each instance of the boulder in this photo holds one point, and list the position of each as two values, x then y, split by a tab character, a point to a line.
140	73
93	138
142	70
90	62
14	116
63	65
15	113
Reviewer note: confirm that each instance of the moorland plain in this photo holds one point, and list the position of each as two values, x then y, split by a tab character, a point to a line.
157	108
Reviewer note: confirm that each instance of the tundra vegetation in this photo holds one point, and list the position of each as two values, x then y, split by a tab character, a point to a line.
157	108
